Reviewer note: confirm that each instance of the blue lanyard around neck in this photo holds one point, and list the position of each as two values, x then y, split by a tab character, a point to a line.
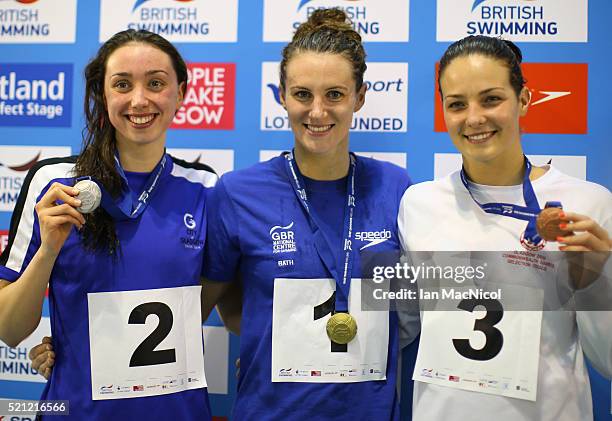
345	264
529	212
127	206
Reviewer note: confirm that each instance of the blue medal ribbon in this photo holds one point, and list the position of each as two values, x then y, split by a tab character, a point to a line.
127	205
345	264
527	213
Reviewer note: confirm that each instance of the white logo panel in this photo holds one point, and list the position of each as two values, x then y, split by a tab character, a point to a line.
175	20
376	21
15	162
575	166
220	160
385	108
516	20
216	358
37	22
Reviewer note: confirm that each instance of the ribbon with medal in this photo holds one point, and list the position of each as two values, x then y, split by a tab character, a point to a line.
341	327
126	205
531	239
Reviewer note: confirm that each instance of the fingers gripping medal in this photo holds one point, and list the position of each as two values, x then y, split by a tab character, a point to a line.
90	195
341	328
548	222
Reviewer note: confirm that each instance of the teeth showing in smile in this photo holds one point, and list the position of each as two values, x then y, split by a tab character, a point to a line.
318	128
480	136
143	119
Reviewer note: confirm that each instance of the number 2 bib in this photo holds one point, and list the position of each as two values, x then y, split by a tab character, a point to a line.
482	348
145	343
301	349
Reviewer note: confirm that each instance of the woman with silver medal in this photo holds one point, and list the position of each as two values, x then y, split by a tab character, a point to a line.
103	230
516	364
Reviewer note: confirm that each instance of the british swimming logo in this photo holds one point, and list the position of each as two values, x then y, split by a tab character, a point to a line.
516	20
35	21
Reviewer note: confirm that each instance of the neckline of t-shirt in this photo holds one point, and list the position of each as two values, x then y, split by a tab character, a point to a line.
516	187
325	185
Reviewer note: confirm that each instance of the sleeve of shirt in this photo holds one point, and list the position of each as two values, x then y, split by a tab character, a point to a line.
595	324
24	232
222	249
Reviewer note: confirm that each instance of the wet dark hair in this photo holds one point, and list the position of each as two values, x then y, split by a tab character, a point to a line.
497	48
97	157
327	31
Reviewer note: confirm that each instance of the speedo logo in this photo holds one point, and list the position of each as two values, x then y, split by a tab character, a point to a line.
372	237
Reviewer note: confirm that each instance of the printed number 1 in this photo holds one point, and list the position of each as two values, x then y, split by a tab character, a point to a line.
322	310
494	338
145	353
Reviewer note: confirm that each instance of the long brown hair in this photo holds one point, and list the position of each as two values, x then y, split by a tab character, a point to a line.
97	157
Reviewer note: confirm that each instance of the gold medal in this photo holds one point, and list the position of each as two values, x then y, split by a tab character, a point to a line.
341	328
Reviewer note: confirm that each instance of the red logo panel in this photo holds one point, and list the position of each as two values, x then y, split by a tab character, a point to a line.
210	96
3	240
558	99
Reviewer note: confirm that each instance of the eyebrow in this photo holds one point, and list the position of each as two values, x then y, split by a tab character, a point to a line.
147	73
486	91
327	89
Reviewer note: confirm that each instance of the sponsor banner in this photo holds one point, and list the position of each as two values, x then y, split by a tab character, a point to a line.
220	160
4	236
446	163
396	158
38	95
175	20
37	21
209	99
14	362
385	108
558	99
216	358
516	20
374	20
15	161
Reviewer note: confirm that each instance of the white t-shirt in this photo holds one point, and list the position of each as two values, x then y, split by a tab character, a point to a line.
441	216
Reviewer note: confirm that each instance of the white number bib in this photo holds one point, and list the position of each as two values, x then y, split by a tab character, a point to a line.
301	350
145	343
482	348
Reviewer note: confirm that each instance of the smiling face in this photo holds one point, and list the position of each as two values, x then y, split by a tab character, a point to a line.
320	98
141	93
482	111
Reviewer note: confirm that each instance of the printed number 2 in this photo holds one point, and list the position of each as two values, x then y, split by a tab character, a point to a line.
322	310
145	354
494	338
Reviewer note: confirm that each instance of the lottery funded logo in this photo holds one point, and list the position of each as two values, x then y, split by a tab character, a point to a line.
37	21
15	162
385	108
209	99
558	99
35	94
516	20
175	20
375	21
283	239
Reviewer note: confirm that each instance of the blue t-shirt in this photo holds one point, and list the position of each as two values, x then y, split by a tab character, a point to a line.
152	255
243	208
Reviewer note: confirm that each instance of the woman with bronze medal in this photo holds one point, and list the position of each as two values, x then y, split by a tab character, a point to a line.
516	364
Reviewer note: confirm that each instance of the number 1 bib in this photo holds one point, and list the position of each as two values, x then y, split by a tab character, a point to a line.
482	348
145	343
301	350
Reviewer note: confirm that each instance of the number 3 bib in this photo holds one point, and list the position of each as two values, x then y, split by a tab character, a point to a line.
482	348
301	349
145	343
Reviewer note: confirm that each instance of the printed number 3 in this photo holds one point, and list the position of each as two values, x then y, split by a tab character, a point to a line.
494	338
145	354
